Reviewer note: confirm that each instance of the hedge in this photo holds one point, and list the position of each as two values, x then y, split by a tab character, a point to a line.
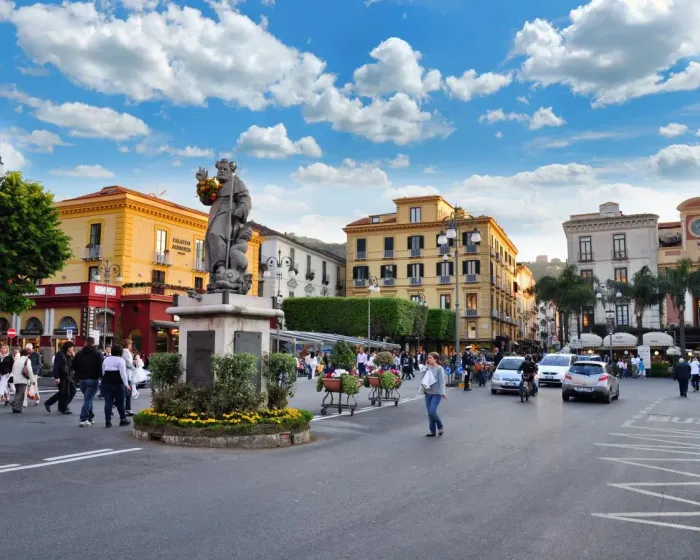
390	317
440	324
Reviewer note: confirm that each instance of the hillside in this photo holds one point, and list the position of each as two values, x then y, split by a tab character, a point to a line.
540	270
338	249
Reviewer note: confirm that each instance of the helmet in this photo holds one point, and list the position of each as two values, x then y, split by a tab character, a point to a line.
528	358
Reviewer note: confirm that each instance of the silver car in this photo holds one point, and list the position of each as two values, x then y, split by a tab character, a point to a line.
589	379
506	376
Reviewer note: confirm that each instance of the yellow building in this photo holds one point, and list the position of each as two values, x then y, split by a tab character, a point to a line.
526	306
153	250
401	250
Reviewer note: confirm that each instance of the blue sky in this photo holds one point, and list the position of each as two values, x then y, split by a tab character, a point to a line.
526	111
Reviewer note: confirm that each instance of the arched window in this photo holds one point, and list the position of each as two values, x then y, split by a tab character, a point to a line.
68	323
34	324
137	338
4	325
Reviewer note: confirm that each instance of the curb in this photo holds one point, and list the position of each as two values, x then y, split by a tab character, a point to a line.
267	441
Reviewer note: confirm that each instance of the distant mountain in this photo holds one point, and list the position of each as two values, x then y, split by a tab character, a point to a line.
338	249
540	270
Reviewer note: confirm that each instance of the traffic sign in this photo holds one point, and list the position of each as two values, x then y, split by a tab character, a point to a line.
12	333
69	334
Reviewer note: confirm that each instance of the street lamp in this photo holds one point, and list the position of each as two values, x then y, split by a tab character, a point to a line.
451	228
373	287
277	263
608	303
107	271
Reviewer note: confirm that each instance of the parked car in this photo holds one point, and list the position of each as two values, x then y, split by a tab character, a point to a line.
588	379
553	367
506	377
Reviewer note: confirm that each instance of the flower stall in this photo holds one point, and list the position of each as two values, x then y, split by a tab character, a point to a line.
341	380
385	385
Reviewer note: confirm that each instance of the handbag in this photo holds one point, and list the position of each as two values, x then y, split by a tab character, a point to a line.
25	370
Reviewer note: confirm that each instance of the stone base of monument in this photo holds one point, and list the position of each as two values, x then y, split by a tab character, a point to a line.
185	437
221	323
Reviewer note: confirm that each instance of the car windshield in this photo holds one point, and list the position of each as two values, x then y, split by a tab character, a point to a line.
586	369
510	363
553	360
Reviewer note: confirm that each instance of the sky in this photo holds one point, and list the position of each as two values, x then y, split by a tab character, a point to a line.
524	111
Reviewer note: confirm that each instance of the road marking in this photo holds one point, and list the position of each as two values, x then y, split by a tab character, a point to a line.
659	448
638	518
680	459
8	466
320	417
634	463
77	454
650	438
629	423
81	458
635	487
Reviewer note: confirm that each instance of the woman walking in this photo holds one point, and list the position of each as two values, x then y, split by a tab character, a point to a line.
434	385
115	386
24	378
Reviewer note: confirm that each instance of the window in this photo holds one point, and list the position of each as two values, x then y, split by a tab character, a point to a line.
360	272
619	246
199	254
587	274
324	271
415	271
361	250
157	277
471	267
389	244
337	274
416	298
415	215
415	243
444	268
387	271
308	263
375	219
585	249
68	323
622	314
445	301
292	256
621	274
161	241
95	234
199	283
472	301
92	272
587	319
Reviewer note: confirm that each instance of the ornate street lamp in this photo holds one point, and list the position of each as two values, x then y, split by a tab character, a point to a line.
451	228
277	263
108	270
373	287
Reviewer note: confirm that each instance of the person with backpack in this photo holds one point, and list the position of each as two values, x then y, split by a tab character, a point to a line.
23	378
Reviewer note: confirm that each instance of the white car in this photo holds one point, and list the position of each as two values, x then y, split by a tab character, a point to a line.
553	368
506	377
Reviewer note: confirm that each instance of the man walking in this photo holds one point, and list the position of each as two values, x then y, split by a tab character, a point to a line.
695	373
682	375
63	374
37	362
362	362
88	371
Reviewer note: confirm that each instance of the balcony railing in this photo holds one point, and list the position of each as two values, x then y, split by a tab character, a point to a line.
444	250
471	312
199	265
416	281
388	253
388	281
360	283
310	275
585	257
494	314
470	248
416	252
493	279
326	280
92	253
162	259
445	279
619	255
471	278
361	255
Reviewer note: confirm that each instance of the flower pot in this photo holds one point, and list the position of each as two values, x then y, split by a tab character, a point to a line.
332	384
374	381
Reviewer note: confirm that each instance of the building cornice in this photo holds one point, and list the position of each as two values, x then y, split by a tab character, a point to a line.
607	224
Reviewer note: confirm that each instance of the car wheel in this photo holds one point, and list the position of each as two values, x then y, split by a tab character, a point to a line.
565	397
617	397
494	391
608	398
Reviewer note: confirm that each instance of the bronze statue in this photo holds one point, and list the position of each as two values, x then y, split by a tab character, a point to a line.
226	242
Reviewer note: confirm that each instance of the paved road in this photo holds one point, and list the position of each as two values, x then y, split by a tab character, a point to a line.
545	479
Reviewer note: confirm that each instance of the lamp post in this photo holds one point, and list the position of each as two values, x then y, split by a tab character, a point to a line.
373	287
420	300
605	297
107	271
277	263
451	228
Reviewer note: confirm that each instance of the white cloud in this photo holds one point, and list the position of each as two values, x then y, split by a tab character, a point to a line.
41	141
549	175
672	130
139	5
189	151
85	171
177	163
267	2
401	160
12	158
499	135
273	199
471	85
543	117
409	191
349	174
522	100
80	119
430	170
6	8
36	71
124	149
616	50
274	143
397	69
678	160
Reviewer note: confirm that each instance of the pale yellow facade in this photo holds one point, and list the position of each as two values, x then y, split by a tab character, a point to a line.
487	296
526	306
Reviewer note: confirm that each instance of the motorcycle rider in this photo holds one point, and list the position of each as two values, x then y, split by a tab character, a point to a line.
528	369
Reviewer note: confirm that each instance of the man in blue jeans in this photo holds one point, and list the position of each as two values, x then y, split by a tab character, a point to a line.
87	365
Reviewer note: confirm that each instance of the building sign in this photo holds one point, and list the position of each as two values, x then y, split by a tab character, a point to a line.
88	322
182	245
39	292
30	332
105	290
66	290
309	289
102	311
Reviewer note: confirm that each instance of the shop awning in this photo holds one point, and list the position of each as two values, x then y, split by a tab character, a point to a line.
302	337
620	340
165	325
588	340
658	339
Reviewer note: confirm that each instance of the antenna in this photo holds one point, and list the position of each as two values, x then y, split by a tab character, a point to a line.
158	194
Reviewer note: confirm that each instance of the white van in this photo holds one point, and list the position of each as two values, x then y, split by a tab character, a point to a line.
553	368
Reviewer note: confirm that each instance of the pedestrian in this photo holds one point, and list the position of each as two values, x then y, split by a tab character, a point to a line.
107	352
362	362
695	373
682	374
406	363
88	371
434	393
127	356
6	362
115	386
311	364
23	378
37	363
641	367
63	374
467	364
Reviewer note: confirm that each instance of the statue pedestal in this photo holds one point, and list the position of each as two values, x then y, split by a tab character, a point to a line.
221	323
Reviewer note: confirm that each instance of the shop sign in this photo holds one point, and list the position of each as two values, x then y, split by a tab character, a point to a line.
182	245
30	332
88	321
39	292
66	290
101	311
105	290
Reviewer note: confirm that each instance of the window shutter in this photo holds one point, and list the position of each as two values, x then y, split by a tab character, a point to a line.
438	269
464	267
409	242
422	269
452	268
394	271
465	238
366	269
478	267
421	242
354	273
408	271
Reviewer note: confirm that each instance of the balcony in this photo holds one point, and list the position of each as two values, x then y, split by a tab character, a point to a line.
585	257
471	278
310	275
444	250
162	259
494	314
92	253
325	280
199	265
416	252
493	279
470	249
388	253
619	255
471	312
361	255
445	279
388	281
416	281
360	283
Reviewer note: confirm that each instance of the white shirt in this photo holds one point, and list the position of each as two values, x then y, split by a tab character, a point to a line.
621	364
695	367
362	358
114	363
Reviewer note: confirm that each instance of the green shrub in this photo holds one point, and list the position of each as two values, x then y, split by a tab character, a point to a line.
280	375
659	369
384	359
349	383
387	381
234	374
440	324
165	370
342	356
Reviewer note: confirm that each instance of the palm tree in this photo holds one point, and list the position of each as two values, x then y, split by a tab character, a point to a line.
677	281
645	291
581	295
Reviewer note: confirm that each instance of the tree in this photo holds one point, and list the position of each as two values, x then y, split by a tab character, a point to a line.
677	281
32	245
644	291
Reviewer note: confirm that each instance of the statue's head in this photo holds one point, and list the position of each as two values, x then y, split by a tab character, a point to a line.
226	169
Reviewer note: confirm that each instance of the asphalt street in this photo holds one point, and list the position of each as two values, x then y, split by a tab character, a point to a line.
544	479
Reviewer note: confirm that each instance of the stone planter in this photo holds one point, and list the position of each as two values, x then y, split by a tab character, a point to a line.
173	435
